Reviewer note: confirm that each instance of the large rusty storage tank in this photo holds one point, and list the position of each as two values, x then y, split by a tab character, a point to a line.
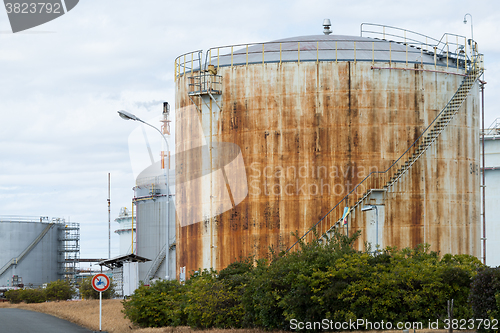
321	123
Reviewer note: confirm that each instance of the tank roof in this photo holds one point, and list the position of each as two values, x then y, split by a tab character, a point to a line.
325	48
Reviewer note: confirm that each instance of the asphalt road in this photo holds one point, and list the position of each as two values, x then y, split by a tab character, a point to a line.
24	321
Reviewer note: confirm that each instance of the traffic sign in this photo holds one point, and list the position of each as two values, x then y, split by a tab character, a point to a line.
100	282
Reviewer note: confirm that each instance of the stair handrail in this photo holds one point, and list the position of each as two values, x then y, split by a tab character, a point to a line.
468	75
7	265
155	264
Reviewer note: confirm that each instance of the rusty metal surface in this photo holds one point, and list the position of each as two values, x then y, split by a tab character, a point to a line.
308	133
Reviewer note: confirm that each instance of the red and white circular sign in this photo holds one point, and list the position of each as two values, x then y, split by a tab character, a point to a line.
100	282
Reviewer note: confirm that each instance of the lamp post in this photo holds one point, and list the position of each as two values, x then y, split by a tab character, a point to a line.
128	116
471	30
371	207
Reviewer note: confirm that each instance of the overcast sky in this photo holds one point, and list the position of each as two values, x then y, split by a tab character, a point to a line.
61	84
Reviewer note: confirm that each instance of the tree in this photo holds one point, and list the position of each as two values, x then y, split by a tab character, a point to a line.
88	292
59	290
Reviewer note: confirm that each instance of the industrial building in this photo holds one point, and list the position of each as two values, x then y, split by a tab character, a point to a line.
126	230
125	276
377	133
492	192
37	250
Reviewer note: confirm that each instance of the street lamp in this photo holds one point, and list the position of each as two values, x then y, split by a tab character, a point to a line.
471	30
129	116
371	207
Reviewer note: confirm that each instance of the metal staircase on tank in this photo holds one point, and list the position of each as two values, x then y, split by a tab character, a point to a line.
15	261
384	180
155	265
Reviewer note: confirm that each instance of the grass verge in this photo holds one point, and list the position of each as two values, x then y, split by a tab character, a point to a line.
86	313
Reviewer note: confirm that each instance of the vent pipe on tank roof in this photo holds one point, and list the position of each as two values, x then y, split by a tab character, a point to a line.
326	26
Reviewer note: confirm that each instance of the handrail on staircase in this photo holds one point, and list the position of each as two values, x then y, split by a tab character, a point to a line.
156	263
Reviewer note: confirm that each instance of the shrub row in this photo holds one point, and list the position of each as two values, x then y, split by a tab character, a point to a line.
58	290
330	281
55	290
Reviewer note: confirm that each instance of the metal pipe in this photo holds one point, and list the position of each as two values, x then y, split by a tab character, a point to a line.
406	55
376	226
100	309
465	54
280	53
471	31
298	52
263	53
132	229
435	58
211	181
483	177
373	53
317	52
390	54
109	215
354	52
168	192
447	53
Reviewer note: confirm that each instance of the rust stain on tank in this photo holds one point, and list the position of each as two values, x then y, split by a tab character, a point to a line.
309	133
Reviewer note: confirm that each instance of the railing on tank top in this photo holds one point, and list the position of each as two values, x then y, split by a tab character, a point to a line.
454	50
448	44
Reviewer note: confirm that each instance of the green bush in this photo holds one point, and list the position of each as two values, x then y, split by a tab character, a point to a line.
26	295
282	290
322	281
414	286
59	290
13	296
213	301
88	292
485	296
161	304
33	295
55	290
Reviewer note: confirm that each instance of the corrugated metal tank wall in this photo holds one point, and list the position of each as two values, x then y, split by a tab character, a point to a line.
292	120
150	233
40	265
151	219
438	201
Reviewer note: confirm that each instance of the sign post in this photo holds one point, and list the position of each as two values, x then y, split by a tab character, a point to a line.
100	283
